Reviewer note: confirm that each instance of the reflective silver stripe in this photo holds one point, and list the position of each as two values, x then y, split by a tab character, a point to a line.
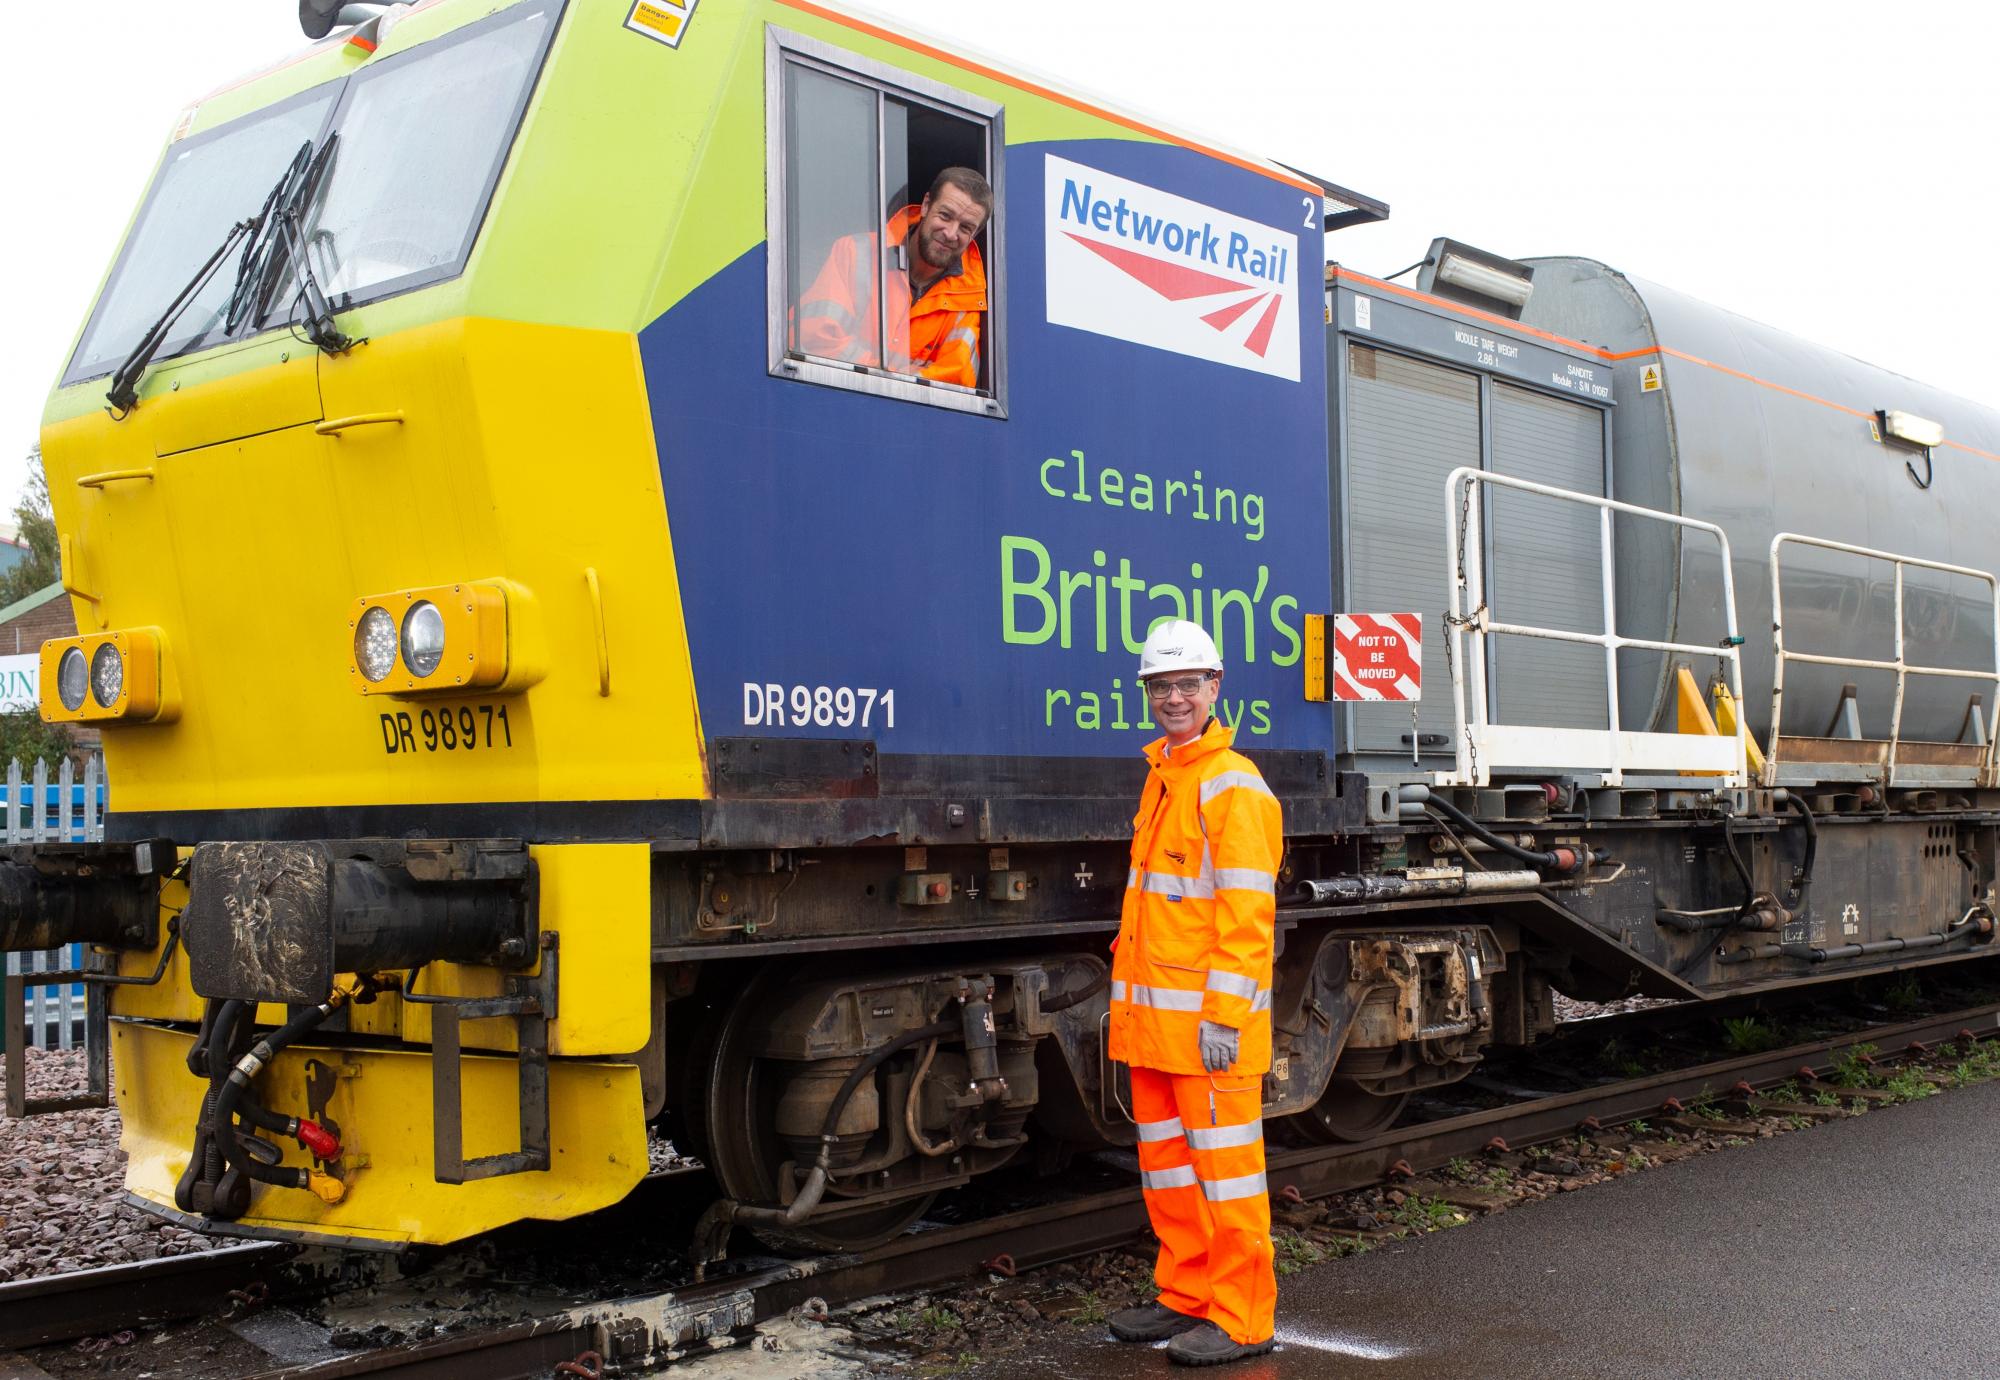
827	307
1170	1129
1167	884
1180	1176
1132	879
1242	1186
1246	879
1223	1137
1229	780
861	287
1118	989
1165	998
1235	984
1261	1002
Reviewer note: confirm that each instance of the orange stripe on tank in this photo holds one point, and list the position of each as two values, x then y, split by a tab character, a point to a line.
1618	357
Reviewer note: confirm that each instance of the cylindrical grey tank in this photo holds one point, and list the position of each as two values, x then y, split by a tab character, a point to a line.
1760	432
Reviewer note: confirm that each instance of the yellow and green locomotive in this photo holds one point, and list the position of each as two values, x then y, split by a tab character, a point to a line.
547	695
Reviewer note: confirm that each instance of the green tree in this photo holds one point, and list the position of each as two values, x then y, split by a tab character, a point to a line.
38	529
23	735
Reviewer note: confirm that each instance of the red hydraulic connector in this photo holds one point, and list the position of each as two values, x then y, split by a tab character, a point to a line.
319	1142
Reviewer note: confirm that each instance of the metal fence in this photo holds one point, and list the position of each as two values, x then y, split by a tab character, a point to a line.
36	810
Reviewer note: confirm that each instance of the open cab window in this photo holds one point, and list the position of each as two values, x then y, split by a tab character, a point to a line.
866	293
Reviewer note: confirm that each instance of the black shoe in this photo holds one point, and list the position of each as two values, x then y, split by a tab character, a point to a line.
1209	1345
1150	1322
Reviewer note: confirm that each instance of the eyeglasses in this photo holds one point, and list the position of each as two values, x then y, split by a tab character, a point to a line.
1187	687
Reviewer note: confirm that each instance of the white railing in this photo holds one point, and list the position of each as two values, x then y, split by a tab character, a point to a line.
37	810
1900	665
1483	746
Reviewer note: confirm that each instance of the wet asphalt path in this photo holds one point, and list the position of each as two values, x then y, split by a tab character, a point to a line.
1860	1248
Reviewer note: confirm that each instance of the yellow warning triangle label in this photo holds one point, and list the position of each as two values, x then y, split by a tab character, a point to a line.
1649	379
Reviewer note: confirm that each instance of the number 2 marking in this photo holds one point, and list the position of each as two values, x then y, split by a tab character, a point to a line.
1309	212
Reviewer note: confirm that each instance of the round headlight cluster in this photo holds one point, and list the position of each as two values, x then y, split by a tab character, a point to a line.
72	679
423	638
375	643
107	675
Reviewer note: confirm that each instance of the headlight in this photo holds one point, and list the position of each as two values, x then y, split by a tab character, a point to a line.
375	643
423	638
107	675
436	640
72	679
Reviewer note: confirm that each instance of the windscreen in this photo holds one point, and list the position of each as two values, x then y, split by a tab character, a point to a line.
205	186
422	137
420	144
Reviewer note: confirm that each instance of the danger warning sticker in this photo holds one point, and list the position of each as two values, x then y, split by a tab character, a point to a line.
1378	656
1650	380
664	21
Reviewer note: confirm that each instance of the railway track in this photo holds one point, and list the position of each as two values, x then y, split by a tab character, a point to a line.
634	1333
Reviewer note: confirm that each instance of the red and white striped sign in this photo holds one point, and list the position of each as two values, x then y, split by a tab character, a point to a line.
1378	656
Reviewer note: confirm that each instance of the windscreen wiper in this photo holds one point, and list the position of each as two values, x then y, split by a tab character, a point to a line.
319	324
124	391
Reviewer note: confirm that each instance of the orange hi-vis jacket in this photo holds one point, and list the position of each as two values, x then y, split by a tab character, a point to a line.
1195	939
937	336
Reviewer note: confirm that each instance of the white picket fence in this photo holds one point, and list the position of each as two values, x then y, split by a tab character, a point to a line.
38	810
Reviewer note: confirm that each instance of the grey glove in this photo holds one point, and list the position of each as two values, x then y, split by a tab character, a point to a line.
1218	1046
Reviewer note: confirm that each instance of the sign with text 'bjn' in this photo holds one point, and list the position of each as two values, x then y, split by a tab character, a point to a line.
1378	656
1140	264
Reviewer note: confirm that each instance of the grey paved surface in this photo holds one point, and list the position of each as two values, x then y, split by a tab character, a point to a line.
1861	1248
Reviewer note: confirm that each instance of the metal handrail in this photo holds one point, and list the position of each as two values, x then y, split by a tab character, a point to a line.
1468	609
1901	666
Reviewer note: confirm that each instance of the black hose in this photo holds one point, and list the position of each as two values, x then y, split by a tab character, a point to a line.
1506	845
224	1037
256	1114
238	1083
868	1065
1736	861
1082	994
1804	884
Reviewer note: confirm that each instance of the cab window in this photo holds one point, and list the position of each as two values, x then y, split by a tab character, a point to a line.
885	244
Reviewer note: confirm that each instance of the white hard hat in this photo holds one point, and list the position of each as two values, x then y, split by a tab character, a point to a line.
1178	645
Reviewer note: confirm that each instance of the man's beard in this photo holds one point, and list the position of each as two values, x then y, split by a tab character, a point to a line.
927	250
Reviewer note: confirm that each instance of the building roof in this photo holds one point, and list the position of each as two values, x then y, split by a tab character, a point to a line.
32	602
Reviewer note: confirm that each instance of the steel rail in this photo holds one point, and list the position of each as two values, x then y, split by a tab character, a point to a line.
83	1303
647	1329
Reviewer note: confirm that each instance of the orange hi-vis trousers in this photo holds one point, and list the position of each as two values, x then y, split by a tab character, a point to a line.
1201	1165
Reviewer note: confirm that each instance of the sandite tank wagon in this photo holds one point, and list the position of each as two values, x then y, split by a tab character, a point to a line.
542	702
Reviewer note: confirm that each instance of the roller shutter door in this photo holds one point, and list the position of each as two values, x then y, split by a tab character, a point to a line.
1545	567
1410	424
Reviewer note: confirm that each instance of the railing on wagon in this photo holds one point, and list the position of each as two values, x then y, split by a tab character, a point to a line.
1484	746
1796	759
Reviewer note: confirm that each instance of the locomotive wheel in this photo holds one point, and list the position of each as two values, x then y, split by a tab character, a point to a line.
1346	1114
743	1147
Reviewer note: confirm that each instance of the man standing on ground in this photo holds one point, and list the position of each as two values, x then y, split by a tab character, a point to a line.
1191	1013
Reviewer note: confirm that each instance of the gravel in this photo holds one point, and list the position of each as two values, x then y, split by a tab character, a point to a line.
62	1186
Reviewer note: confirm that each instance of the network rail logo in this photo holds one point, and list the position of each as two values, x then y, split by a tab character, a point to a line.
1139	264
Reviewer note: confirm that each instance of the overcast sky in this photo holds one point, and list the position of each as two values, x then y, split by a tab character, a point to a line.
1826	168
